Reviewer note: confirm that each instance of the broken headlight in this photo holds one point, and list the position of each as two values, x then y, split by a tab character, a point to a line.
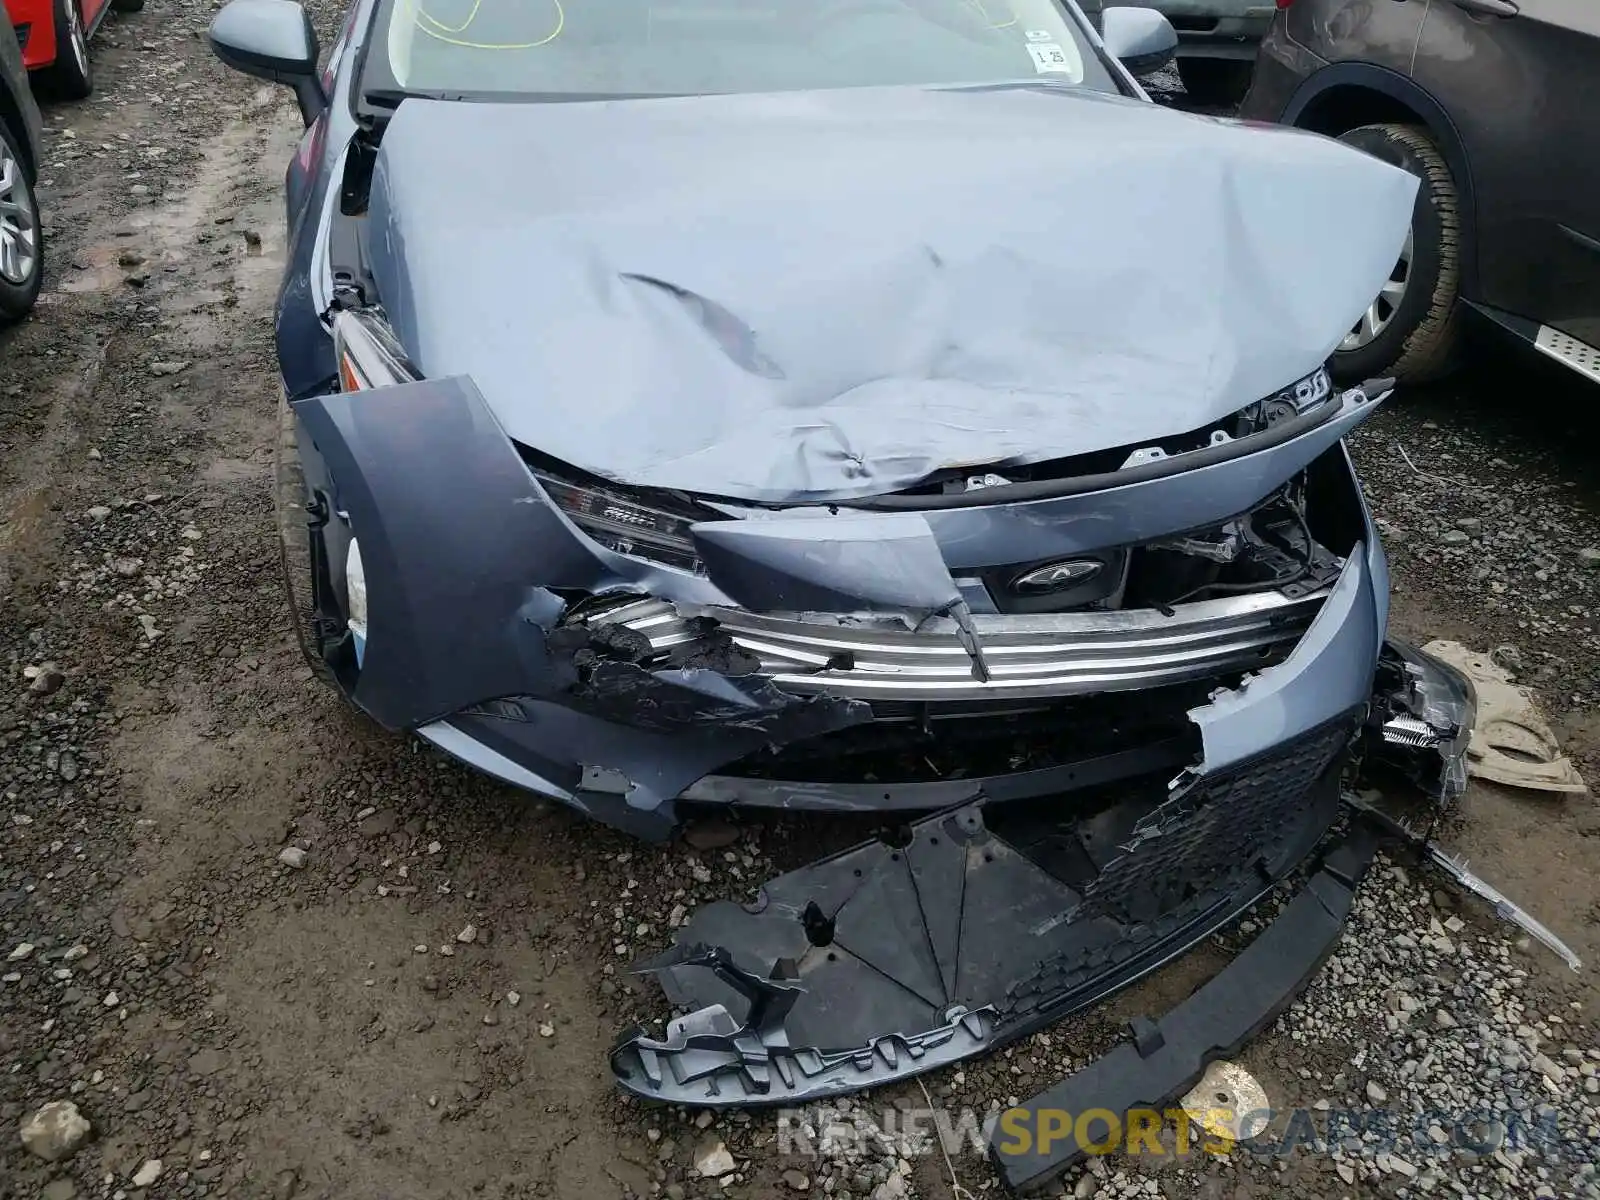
628	526
368	354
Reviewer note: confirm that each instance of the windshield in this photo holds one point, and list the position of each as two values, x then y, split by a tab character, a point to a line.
581	48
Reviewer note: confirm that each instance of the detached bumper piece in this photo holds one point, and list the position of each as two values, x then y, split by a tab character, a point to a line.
975	927
1165	1058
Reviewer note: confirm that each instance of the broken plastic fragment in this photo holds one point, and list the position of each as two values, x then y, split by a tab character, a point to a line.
1224	1097
1457	869
1511	743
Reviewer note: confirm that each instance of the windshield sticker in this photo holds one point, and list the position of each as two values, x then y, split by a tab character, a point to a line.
1041	35
1047	56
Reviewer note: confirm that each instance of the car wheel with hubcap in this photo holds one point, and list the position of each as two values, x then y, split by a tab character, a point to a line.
70	77
21	244
1411	328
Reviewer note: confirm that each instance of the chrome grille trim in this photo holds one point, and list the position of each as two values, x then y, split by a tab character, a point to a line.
1057	654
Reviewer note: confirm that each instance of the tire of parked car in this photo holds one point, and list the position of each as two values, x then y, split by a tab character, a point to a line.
127	5
21	270
1215	81
70	77
1412	330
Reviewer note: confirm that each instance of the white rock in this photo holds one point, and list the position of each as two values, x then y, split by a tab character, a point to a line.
1542	1064
293	857
147	1174
468	935
1400	1166
74	953
20	953
111	1000
712	1160
513	998
56	1131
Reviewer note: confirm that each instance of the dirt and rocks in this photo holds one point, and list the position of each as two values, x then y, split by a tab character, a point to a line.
264	949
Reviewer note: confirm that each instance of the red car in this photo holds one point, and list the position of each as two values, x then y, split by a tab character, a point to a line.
54	35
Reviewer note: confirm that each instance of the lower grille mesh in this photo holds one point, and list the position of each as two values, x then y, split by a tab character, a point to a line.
1218	828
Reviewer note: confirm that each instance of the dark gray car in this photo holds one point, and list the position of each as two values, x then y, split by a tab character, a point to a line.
1492	104
21	242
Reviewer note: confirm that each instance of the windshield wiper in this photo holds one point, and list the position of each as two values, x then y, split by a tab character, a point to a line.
390	98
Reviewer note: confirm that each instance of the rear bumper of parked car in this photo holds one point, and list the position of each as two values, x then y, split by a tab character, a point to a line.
34	21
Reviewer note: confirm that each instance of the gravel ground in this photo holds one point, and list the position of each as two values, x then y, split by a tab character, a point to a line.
265	949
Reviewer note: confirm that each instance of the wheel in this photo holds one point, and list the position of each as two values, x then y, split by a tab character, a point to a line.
294	543
1215	81
21	243
1412	329
70	77
127	5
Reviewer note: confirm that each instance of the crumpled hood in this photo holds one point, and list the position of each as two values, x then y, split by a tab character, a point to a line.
819	296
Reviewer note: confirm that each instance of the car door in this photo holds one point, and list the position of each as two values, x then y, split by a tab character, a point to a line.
1520	80
1383	32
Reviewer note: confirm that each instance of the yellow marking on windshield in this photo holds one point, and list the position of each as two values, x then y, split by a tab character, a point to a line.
984	13
437	29
461	28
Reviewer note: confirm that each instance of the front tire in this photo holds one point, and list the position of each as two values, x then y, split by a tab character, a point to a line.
1220	82
1412	329
70	77
21	236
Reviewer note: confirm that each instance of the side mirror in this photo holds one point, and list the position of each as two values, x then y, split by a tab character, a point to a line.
272	39
1142	39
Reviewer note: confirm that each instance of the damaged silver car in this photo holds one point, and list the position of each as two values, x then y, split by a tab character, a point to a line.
871	406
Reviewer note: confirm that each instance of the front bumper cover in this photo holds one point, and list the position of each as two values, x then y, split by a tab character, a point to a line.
464	597
890	959
980	925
